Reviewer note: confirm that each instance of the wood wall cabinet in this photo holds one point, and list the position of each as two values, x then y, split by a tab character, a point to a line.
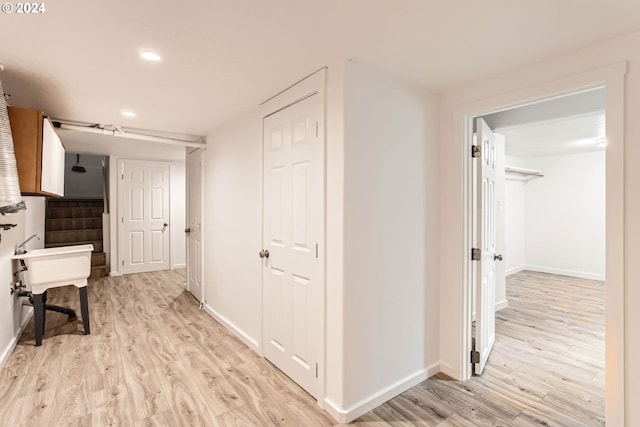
39	153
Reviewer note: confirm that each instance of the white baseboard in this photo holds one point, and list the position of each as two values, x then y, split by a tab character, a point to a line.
449	371
502	304
433	369
243	336
347	415
14	341
115	274
335	411
176	266
515	270
571	273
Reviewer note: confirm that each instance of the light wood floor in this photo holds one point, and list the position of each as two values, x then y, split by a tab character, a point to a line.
154	359
546	368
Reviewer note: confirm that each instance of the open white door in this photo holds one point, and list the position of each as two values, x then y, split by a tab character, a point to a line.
144	216
194	224
293	231
486	243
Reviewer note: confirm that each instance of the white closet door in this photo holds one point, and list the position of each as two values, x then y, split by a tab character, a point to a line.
292	224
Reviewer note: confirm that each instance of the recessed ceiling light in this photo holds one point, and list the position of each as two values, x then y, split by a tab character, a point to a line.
151	56
128	113
601	142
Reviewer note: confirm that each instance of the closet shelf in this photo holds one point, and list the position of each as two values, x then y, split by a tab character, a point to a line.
522	174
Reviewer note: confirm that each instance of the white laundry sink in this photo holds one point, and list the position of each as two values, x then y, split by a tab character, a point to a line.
54	267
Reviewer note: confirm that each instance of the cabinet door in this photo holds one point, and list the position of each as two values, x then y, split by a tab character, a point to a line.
52	161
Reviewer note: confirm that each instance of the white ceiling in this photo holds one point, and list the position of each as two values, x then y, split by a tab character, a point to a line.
565	125
568	135
79	60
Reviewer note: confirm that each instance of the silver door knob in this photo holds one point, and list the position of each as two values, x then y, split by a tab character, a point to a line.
187	230
497	257
264	253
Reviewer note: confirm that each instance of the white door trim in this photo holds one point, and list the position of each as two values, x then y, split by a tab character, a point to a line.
313	84
612	78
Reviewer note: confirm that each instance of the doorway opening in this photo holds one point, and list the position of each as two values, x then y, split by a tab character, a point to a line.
610	78
81	216
539	225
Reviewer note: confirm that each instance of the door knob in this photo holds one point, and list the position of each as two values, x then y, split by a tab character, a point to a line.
187	230
166	224
497	257
264	253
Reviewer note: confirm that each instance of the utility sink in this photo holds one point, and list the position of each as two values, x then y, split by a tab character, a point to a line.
54	267
43	269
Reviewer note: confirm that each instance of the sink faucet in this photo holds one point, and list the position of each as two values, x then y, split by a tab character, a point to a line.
20	249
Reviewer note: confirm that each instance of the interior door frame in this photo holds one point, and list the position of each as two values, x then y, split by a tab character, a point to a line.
120	229
189	151
612	79
313	84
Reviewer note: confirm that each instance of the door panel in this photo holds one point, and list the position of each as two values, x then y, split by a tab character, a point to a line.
194	224
486	235
293	215
144	212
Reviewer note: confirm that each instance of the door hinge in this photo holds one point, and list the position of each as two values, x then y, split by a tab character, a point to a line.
316	129
475	356
475	254
123	263
316	370
122	177
475	151
122	220
316	250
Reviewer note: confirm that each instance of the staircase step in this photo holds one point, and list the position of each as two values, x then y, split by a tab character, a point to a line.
72	236
73	224
74	203
91	212
98	259
98	272
97	244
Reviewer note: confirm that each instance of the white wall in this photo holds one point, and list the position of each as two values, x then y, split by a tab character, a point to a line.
391	236
565	211
86	185
556	224
34	220
452	155
12	315
515	219
232	225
